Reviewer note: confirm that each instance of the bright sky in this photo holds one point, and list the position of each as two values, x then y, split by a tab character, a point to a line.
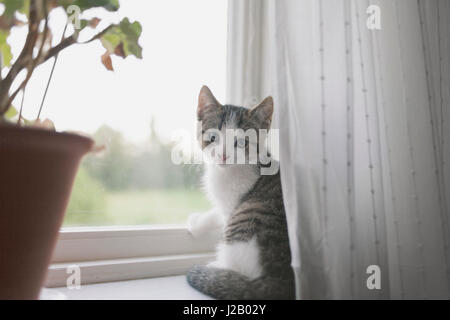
184	47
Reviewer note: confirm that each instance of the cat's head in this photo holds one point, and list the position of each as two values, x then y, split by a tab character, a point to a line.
231	135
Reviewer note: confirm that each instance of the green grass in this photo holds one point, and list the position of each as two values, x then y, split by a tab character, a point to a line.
140	207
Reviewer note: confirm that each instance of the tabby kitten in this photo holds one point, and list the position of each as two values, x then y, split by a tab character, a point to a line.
253	260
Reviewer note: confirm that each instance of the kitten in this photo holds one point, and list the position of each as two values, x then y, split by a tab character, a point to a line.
253	260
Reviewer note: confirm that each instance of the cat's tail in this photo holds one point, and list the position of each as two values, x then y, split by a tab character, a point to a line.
230	285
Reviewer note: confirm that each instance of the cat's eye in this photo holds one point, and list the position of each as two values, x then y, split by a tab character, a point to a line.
213	137
241	143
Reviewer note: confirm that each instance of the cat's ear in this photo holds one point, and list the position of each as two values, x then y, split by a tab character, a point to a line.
263	112
206	101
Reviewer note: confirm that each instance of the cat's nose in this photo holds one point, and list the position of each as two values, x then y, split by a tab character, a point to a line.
224	157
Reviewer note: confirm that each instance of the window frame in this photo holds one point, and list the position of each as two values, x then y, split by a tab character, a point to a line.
113	253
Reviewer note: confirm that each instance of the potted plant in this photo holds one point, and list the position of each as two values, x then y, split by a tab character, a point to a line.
38	164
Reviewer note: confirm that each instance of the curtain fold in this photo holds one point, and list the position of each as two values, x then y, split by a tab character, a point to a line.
364	137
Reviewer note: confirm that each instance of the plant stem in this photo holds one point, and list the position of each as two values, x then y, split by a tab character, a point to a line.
21	106
51	74
24	56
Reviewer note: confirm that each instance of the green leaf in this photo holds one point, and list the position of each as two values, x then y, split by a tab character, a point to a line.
123	39
111	39
25	8
11	6
83	24
5	49
132	31
11	113
8	18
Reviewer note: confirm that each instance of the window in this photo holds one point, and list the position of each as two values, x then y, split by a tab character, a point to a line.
134	110
125	216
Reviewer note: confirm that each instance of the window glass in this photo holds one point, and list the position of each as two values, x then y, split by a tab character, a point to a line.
135	110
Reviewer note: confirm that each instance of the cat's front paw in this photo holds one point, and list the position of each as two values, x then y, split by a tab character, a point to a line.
193	223
199	224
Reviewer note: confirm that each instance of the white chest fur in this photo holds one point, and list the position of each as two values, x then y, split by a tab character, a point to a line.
242	257
225	186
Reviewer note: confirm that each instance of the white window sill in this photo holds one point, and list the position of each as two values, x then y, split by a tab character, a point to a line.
125	269
106	254
163	288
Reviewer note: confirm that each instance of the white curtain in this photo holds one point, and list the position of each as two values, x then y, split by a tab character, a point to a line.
364	128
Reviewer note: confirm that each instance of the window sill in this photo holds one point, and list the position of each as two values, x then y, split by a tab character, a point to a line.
126	269
122	242
163	288
127	253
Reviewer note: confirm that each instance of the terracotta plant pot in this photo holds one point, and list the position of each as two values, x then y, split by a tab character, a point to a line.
37	170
